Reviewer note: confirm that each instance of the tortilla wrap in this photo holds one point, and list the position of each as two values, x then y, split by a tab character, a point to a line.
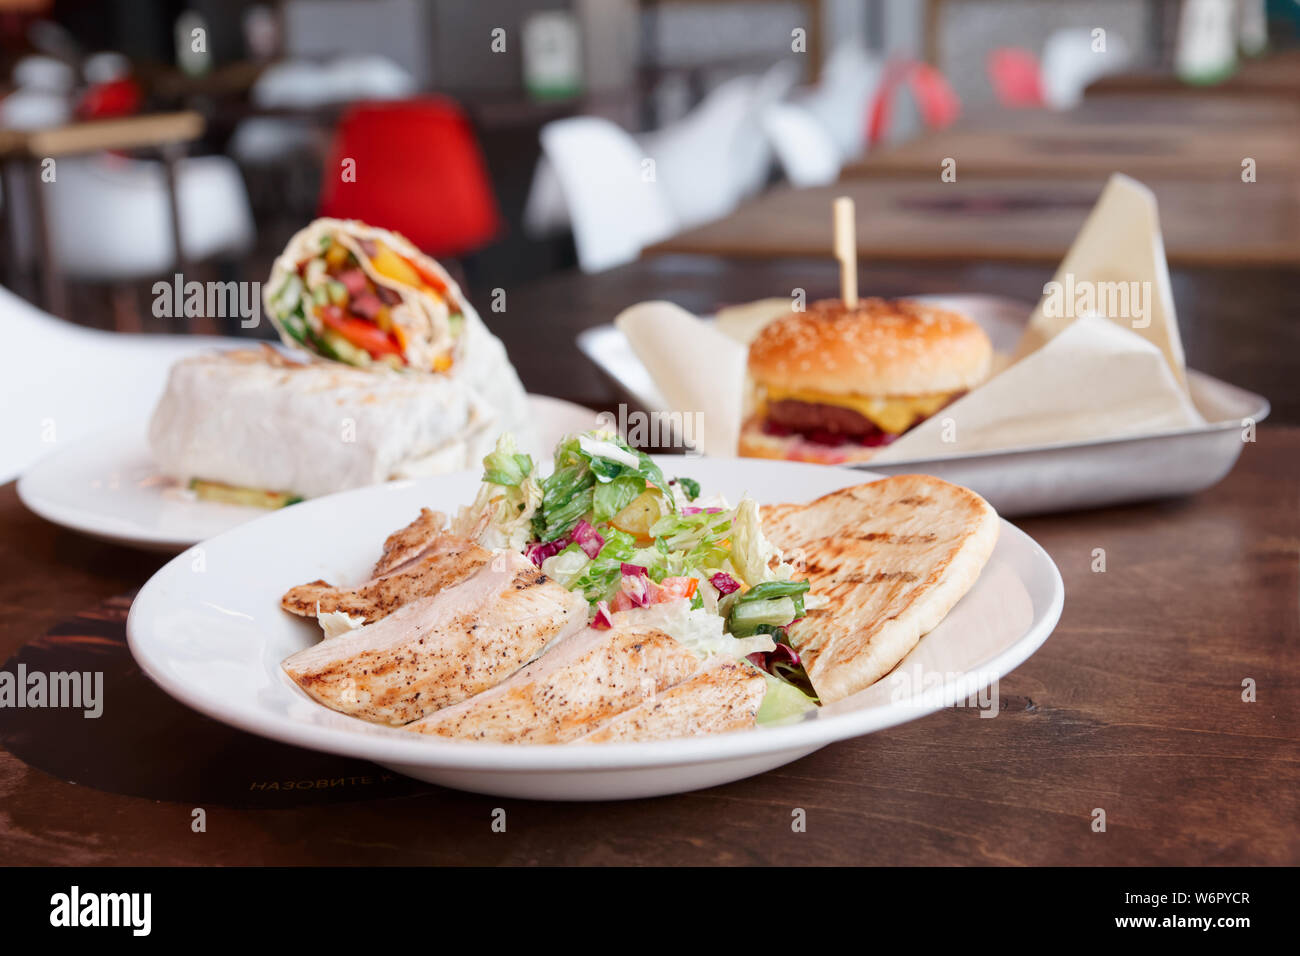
252	418
433	337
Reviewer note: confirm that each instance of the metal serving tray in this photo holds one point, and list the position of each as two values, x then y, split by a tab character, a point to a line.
1043	478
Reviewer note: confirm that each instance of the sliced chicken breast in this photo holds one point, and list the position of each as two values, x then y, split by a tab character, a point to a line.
409	543
437	651
571	689
445	561
725	696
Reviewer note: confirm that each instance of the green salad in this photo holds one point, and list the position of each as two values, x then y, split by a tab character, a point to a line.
646	548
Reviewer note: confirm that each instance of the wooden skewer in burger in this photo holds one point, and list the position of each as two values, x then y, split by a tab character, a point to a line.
837	381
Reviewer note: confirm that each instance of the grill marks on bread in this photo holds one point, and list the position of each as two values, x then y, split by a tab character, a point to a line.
891	557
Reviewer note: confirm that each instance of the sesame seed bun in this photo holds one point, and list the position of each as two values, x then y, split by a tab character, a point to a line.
881	348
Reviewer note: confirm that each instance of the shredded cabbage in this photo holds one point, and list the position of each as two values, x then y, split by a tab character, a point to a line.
567	566
701	631
501	516
752	555
598	447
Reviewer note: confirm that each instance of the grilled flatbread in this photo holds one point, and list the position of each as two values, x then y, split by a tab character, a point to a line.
892	557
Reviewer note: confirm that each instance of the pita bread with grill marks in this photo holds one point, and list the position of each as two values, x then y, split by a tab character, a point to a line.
892	558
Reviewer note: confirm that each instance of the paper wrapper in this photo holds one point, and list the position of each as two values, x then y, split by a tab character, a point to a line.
1094	380
699	370
1073	377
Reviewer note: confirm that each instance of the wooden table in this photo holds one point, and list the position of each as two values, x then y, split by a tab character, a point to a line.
1209	108
981	219
1133	705
24	152
1276	74
1055	148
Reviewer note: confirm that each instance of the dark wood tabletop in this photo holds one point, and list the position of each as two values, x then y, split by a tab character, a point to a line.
1134	705
979	219
1273	74
1056	147
1007	184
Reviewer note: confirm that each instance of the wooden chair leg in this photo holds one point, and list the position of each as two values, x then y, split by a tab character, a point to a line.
127	315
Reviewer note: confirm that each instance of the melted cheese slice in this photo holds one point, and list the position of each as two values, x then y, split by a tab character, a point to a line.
889	414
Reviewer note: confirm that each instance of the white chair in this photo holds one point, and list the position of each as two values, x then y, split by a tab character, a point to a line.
545	211
265	141
1070	63
753	155
615	210
292	84
105	67
368	77
707	162
34	109
108	217
44	73
60	382
841	99
304	85
803	146
697	158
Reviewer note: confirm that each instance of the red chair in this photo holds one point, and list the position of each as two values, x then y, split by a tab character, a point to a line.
418	170
937	101
940	105
1016	77
115	98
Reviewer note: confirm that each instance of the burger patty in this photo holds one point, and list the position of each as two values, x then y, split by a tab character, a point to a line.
829	424
811	419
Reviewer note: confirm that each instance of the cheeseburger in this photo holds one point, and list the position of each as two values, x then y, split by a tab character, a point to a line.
836	383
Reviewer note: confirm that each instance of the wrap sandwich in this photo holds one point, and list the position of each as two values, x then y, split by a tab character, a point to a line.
367	297
252	426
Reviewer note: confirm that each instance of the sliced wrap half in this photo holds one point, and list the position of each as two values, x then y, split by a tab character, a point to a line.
352	293
253	419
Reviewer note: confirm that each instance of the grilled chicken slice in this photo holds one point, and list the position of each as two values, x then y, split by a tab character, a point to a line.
404	546
445	561
572	688
722	697
437	651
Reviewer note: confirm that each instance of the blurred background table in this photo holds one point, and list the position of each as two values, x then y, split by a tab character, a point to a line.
1277	74
23	153
1054	148
1012	219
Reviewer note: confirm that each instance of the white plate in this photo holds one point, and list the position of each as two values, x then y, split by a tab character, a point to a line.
108	486
1023	481
209	630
